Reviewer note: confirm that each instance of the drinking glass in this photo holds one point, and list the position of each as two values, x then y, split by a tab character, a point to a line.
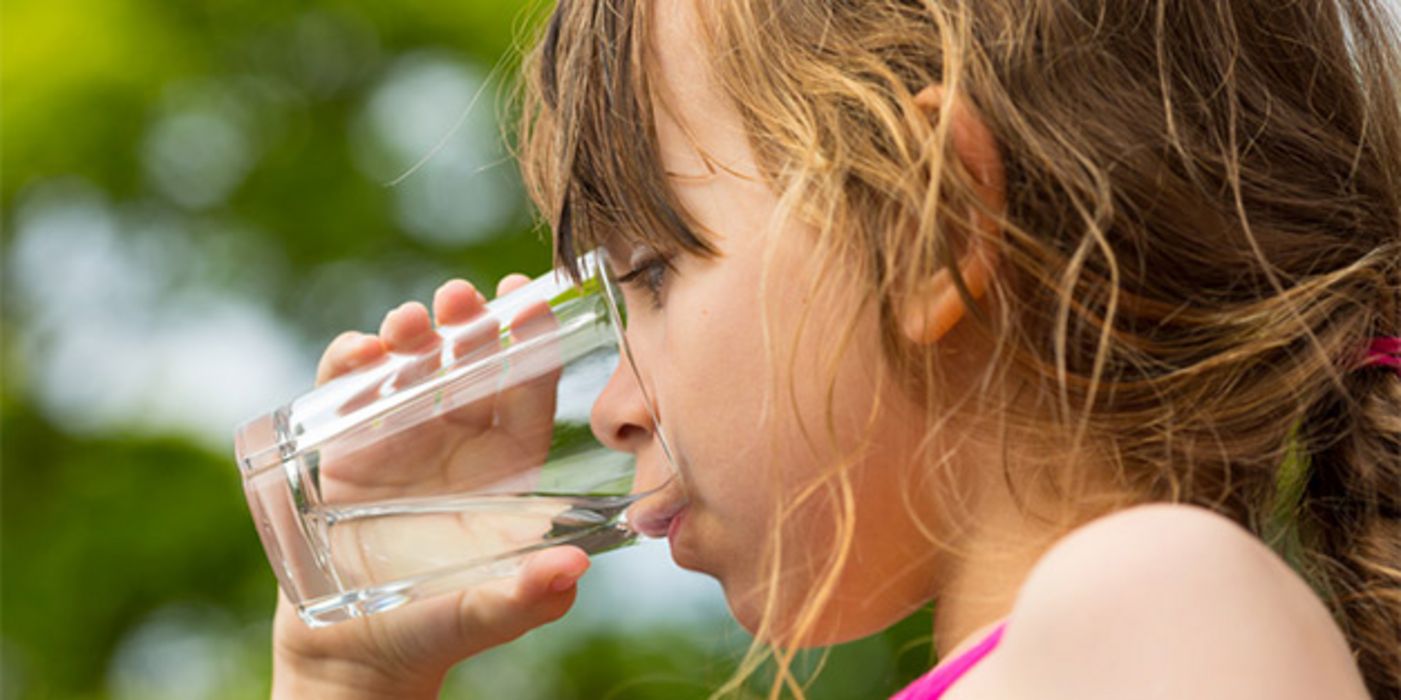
430	473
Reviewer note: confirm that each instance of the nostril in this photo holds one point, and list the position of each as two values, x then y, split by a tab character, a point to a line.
629	435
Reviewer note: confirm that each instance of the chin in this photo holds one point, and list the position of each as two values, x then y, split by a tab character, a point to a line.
830	628
748	611
683	557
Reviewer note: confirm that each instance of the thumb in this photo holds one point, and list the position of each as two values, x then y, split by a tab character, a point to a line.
543	591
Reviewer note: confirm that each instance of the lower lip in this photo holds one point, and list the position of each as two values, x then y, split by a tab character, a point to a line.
675	526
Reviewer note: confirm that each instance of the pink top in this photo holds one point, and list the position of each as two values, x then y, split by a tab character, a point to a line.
932	685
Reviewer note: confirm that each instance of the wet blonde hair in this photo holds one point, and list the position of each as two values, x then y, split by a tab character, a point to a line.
1202	231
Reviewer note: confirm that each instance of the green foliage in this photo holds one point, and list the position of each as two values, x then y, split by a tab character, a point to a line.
98	532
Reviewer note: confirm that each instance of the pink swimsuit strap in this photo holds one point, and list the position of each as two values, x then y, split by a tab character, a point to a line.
932	685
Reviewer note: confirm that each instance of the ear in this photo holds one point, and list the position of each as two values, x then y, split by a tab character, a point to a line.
937	306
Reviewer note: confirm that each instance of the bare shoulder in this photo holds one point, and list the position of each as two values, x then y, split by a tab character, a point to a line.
1171	601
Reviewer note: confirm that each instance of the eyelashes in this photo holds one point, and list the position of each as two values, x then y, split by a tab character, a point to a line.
649	276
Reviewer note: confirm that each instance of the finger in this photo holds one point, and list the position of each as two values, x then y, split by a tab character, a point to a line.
526	409
479	339
542	592
349	351
456	302
511	283
523	602
408	329
437	632
551	571
476	342
474	337
533	321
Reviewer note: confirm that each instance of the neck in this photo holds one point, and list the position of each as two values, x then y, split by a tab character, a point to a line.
982	589
999	547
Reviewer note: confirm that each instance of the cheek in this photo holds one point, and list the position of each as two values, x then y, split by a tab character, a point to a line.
720	404
710	387
710	352
721	399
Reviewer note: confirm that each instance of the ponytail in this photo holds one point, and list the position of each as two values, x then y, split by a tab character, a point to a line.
1351	514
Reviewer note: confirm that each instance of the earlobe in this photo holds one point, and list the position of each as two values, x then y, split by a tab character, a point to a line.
937	306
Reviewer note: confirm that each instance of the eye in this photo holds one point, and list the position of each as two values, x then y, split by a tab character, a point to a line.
649	275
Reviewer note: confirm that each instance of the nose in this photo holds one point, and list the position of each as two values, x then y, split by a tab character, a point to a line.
620	418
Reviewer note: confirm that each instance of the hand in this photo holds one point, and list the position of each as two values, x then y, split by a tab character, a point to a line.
406	652
494	438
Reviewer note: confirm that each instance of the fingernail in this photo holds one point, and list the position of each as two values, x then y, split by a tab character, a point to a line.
563	582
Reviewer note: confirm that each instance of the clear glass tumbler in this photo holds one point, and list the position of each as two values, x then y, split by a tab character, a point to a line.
425	474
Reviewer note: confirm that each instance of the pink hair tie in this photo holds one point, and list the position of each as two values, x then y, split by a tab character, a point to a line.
1384	352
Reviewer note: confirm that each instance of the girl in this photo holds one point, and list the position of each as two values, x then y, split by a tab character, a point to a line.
1076	317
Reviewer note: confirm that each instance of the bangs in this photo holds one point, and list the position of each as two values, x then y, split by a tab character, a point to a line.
589	153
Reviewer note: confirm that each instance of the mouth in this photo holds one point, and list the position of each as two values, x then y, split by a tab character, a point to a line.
655	520
654	515
674	526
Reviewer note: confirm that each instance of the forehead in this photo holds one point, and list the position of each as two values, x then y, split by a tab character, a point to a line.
624	101
697	127
677	44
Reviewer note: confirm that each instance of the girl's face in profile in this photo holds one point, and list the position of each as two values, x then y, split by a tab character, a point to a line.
696	333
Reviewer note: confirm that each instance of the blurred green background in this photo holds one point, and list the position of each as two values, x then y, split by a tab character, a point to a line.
197	196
